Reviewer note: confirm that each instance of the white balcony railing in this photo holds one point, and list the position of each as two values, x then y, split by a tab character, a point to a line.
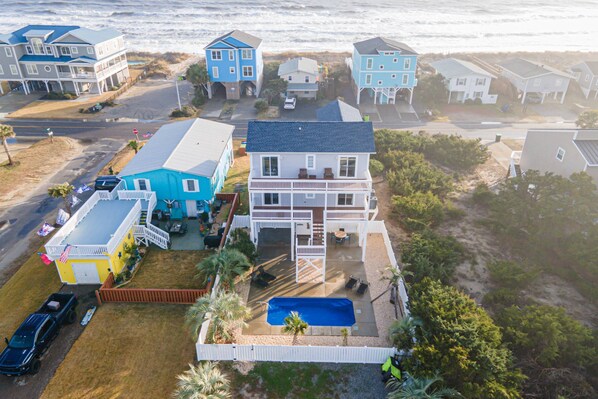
311	250
280	214
332	215
311	185
77	75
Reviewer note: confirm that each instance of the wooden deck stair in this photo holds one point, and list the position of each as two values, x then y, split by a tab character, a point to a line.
143	218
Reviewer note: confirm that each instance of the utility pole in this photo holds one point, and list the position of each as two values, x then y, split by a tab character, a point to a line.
176	82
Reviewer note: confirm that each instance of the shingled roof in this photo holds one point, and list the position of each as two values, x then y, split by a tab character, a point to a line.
241	36
530	69
377	44
338	111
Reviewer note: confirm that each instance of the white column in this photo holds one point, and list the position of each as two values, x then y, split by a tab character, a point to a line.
449	100
358	94
411	96
364	243
293	240
1	89
209	90
76	85
61	88
563	97
47	88
543	97
111	81
523	97
25	87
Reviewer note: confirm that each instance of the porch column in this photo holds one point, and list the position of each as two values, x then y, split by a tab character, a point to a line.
358	94
556	93
76	85
60	84
411	96
293	240
47	88
209	90
1	89
523	97
99	87
563	97
25	88
111	81
543	97
449	100
364	243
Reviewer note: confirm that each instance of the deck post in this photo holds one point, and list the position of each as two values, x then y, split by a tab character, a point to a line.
364	243
292	240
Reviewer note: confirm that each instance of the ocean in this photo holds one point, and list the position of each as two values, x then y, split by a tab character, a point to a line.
443	26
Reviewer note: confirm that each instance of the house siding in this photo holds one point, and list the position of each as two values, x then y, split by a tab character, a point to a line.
470	88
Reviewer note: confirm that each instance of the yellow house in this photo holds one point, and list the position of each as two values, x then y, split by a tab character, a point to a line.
97	233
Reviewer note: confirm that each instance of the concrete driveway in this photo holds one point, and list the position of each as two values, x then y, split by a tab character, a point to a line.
151	99
15	100
244	109
553	112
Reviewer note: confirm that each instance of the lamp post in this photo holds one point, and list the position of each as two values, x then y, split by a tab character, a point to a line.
176	83
50	135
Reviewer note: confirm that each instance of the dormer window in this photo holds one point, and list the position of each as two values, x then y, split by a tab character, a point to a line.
29	49
38	45
65	51
48	50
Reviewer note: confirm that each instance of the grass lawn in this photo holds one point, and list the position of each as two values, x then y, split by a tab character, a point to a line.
119	161
238	174
127	351
27	289
168	269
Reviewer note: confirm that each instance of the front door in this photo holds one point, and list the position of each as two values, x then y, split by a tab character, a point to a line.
86	273
191	208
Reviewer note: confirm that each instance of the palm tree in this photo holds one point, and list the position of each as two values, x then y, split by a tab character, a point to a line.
227	312
419	388
134	145
63	191
228	263
401	332
394	278
205	381
6	132
197	74
294	324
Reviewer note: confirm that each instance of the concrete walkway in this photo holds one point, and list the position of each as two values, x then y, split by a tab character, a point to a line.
501	152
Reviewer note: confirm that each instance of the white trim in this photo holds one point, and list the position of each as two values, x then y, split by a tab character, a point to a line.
369	75
262	165
307	161
147	184
338	164
231	55
352	199
231	70
74	50
271	198
250	69
32	69
558	151
8	51
407	64
90	50
47	68
13	69
215	73
1	70
212	52
186	188
250	54
367	63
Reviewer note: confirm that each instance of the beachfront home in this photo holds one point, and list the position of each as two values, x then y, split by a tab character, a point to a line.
309	181
63	58
586	74
184	163
465	81
302	75
535	78
383	69
92	243
234	63
561	151
338	111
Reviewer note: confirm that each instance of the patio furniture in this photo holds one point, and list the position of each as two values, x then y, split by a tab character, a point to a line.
312	177
264	275
184	227
351	283
328	173
259	281
363	286
302	173
217	204
340	237
212	241
175	228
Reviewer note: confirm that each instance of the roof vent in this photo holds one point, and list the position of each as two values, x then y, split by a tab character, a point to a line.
300	128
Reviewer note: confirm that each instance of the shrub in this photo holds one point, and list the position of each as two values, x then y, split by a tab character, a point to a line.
157	68
417	175
455	152
418	210
388	140
500	298
431	255
453	212
186	112
376	167
477	101
482	195
509	274
469	101
56	95
261	105
242	243
199	98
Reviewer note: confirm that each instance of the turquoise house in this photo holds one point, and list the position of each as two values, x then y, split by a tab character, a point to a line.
235	65
184	163
383	71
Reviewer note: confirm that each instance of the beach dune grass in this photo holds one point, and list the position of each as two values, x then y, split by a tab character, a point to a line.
127	351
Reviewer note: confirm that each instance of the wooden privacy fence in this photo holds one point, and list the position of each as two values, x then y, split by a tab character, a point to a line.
233	198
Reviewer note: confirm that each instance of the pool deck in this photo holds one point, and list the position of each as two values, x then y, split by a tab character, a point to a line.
372	320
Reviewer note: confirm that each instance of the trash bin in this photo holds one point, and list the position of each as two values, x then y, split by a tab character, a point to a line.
366	118
497	138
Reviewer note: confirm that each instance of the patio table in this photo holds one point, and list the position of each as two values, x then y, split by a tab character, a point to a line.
340	234
175	228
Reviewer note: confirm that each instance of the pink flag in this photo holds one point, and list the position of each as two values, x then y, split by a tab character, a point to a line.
45	258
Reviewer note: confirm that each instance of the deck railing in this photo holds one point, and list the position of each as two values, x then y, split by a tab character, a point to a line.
282	214
311	185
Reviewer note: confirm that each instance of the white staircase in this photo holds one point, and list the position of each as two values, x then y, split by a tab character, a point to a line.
310	259
151	234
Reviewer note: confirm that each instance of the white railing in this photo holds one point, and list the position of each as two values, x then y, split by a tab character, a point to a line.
333	215
77	75
112	69
153	234
311	185
311	250
296	353
283	214
515	160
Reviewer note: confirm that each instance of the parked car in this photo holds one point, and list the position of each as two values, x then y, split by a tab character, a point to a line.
106	183
290	103
33	338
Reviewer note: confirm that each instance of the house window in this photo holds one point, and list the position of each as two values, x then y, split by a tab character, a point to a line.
13	70
537	82
368	79
381	67
232	70
480	81
560	154
31	69
215	72
74	50
48	50
271	199
307	79
461	81
347	166
8	51
216	55
369	63
38	45
65	51
270	166
405	79
29	49
142	184
290	78
344	200
231	55
247	71
306	92
89	50
407	63
246	54
1	70
310	161
478	94
190	186
47	68
310	196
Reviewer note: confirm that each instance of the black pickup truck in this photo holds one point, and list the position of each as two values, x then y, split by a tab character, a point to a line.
32	339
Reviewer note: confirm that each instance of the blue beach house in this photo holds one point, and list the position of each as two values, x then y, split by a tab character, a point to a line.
234	63
184	163
383	70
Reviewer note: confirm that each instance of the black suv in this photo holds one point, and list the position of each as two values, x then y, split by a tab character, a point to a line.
106	183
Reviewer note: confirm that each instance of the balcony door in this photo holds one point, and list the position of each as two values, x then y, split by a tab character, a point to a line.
270	166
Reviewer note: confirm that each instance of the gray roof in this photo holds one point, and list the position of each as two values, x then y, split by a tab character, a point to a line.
241	36
338	111
377	44
299	64
302	137
593	66
589	150
193	146
453	68
530	69
53	32
95	36
100	223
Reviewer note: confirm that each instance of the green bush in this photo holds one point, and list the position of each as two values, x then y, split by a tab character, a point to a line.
453	212
419	177
261	105
376	167
456	152
242	242
509	274
186	112
199	98
418	211
469	101
432	255
500	298
482	195
56	95
392	140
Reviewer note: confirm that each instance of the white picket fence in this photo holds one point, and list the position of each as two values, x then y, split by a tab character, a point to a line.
297	353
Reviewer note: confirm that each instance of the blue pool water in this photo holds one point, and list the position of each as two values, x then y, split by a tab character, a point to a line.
336	312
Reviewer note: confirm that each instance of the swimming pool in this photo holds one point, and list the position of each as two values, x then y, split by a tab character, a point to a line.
336	312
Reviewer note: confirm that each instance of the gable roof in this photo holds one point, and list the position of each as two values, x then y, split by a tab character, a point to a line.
249	40
194	146
377	44
94	36
334	137
299	64
19	36
592	66
453	67
338	111
589	150
529	69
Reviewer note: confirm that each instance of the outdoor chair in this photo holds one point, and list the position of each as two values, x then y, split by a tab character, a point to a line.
351	283
328	173
264	275
183	229
363	286
259	281
302	173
